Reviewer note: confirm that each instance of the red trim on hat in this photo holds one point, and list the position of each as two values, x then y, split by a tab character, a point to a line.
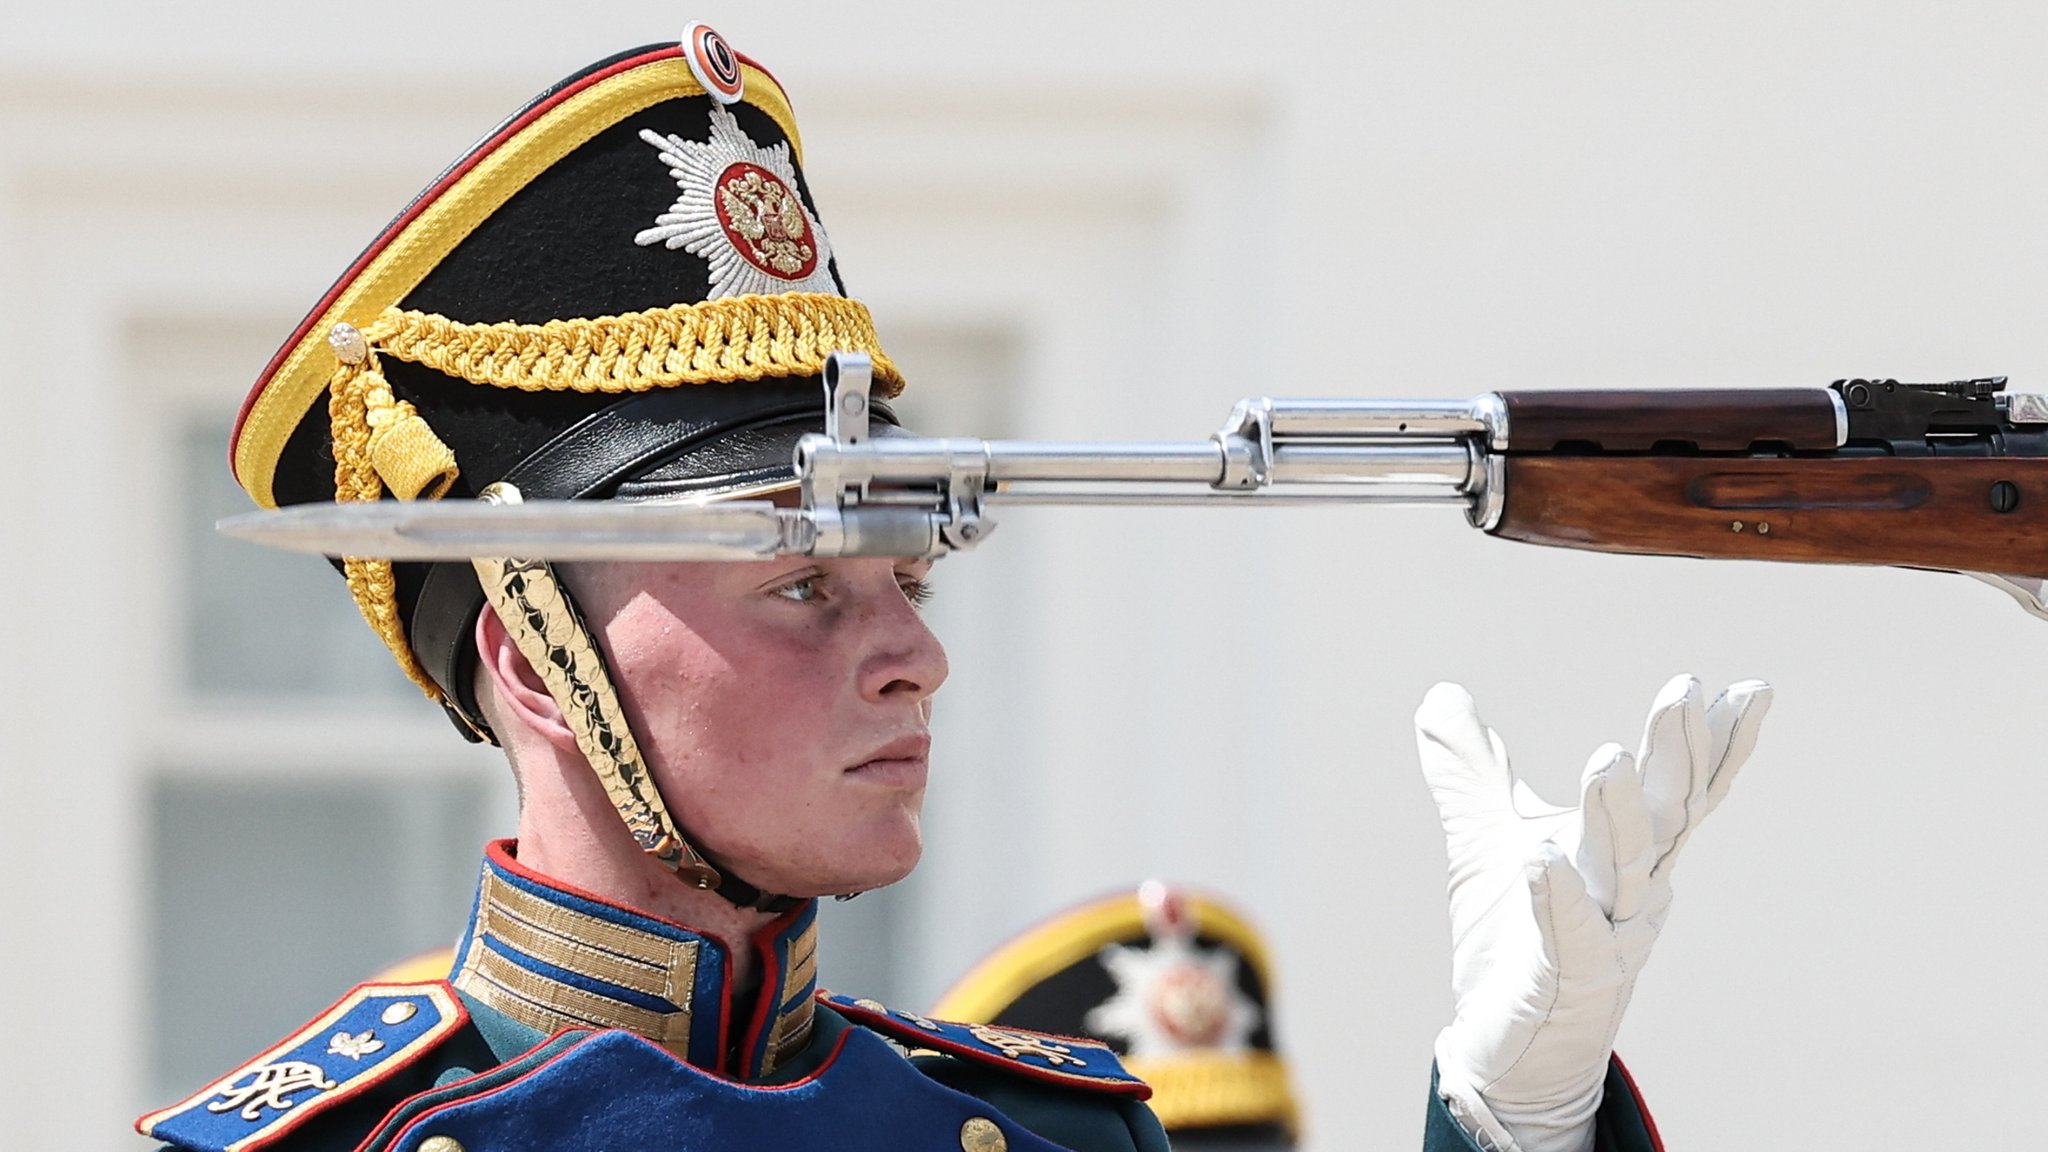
749	61
419	205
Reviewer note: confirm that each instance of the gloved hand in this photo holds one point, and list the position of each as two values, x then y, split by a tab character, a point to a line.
1554	910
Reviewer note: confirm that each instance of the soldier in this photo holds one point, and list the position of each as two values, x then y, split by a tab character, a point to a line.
624	293
1178	984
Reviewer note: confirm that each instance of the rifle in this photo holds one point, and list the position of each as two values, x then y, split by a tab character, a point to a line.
1947	476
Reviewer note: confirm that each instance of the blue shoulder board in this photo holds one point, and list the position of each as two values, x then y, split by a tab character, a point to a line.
374	1031
1037	1055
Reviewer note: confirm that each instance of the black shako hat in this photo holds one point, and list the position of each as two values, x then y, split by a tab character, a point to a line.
1177	982
622	292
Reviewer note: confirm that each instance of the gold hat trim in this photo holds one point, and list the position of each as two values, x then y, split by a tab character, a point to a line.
993	985
419	246
1208	1090
719	341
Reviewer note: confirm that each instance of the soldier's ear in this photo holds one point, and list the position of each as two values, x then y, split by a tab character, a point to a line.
523	698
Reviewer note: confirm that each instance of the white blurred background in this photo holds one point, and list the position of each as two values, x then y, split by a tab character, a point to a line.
219	805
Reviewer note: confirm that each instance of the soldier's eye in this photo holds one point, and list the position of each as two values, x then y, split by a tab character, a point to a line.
803	589
918	591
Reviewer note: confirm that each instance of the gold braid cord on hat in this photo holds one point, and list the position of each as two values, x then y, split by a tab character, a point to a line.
382	444
714	342
551	634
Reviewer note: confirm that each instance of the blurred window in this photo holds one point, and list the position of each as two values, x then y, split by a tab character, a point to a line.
312	820
277	895
260	622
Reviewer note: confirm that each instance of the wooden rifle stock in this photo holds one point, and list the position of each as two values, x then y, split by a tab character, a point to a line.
1768	476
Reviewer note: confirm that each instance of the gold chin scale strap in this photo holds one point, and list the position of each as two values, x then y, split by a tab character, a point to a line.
543	621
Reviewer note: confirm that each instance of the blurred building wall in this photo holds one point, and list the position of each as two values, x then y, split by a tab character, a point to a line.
1076	220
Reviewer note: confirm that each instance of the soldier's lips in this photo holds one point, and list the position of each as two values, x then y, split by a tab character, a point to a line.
901	763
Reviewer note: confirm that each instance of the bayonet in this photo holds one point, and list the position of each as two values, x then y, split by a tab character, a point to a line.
1950	476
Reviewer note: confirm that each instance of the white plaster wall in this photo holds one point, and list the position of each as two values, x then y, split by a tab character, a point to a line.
1174	205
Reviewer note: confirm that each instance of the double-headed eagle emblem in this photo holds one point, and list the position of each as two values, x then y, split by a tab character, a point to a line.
739	209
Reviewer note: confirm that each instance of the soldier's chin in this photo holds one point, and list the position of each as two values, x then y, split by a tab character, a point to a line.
884	849
891	859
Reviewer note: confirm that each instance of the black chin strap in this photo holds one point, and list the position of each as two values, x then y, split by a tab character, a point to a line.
741	894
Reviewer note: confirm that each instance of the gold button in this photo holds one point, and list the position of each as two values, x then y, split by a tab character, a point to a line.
441	1144
399	1013
979	1134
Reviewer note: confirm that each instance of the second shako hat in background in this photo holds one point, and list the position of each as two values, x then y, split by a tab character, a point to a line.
624	291
1177	983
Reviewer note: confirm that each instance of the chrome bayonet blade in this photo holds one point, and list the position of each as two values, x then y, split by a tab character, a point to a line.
536	530
2030	591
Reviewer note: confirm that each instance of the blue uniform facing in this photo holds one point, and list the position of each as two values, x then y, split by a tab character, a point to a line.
570	1023
573	1024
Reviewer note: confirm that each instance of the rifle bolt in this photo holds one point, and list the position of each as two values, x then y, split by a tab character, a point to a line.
2005	496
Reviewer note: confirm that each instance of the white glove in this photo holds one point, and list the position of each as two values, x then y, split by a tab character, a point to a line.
1554	910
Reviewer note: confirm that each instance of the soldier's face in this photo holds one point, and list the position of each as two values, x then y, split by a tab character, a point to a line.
783	707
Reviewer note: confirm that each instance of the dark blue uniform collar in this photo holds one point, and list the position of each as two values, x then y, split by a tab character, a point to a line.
549	957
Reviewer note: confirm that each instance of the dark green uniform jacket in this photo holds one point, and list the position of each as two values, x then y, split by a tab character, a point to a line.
1623	1124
